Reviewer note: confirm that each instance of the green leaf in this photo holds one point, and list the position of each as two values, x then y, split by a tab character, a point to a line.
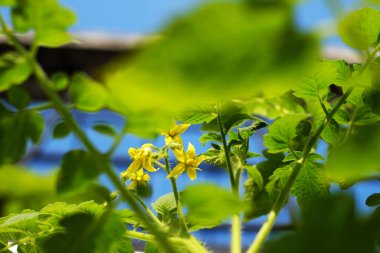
277	181
373	200
210	137
87	94
350	232
178	72
13	220
316	84
61	130
87	233
20	128
7	2
282	132
50	23
165	204
210	203
104	129
14	69
311	184
19	97
332	133
197	116
358	156
360	29
59	81
152	248
78	169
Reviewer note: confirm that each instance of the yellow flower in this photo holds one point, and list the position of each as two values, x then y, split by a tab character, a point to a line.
187	161
142	159
173	138
138	177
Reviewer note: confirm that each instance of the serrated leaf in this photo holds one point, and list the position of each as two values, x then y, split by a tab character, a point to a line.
50	23
332	133
316	84
19	97
165	204
78	169
373	200
14	69
311	184
61	130
210	137
87	94
281	133
104	129
277	181
360	29
197	116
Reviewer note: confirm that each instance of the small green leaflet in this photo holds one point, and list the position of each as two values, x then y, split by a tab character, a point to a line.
281	133
14	69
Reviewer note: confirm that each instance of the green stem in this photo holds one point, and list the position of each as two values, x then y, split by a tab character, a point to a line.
66	114
41	107
226	150
116	142
350	125
148	211
182	220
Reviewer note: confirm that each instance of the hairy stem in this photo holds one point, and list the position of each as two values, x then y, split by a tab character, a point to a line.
182	220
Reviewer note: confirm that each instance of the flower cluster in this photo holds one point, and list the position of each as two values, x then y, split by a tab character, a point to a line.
145	156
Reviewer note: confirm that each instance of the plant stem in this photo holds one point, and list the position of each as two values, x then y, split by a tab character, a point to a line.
184	229
66	114
236	225
226	151
116	142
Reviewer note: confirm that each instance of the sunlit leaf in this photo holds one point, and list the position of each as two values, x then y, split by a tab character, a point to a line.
360	29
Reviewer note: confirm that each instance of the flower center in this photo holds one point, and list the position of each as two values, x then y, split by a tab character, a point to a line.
138	178
189	162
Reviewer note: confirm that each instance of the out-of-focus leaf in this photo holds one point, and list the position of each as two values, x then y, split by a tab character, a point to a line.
373	200
330	226
19	97
50	23
198	116
87	94
59	81
16	130
282	132
14	69
86	233
104	129
152	248
358	156
165	204
61	130
77	170
210	203
332	133
187	61
360	29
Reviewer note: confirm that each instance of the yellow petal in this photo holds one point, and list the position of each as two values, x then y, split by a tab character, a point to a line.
140	172
146	177
148	165
190	154
178	140
179	169
132	185
134	166
180	155
147	145
132	152
179	129
199	160
192	173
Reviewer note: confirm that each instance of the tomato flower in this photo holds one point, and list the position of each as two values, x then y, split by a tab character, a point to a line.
138	177
142	159
187	161
173	138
